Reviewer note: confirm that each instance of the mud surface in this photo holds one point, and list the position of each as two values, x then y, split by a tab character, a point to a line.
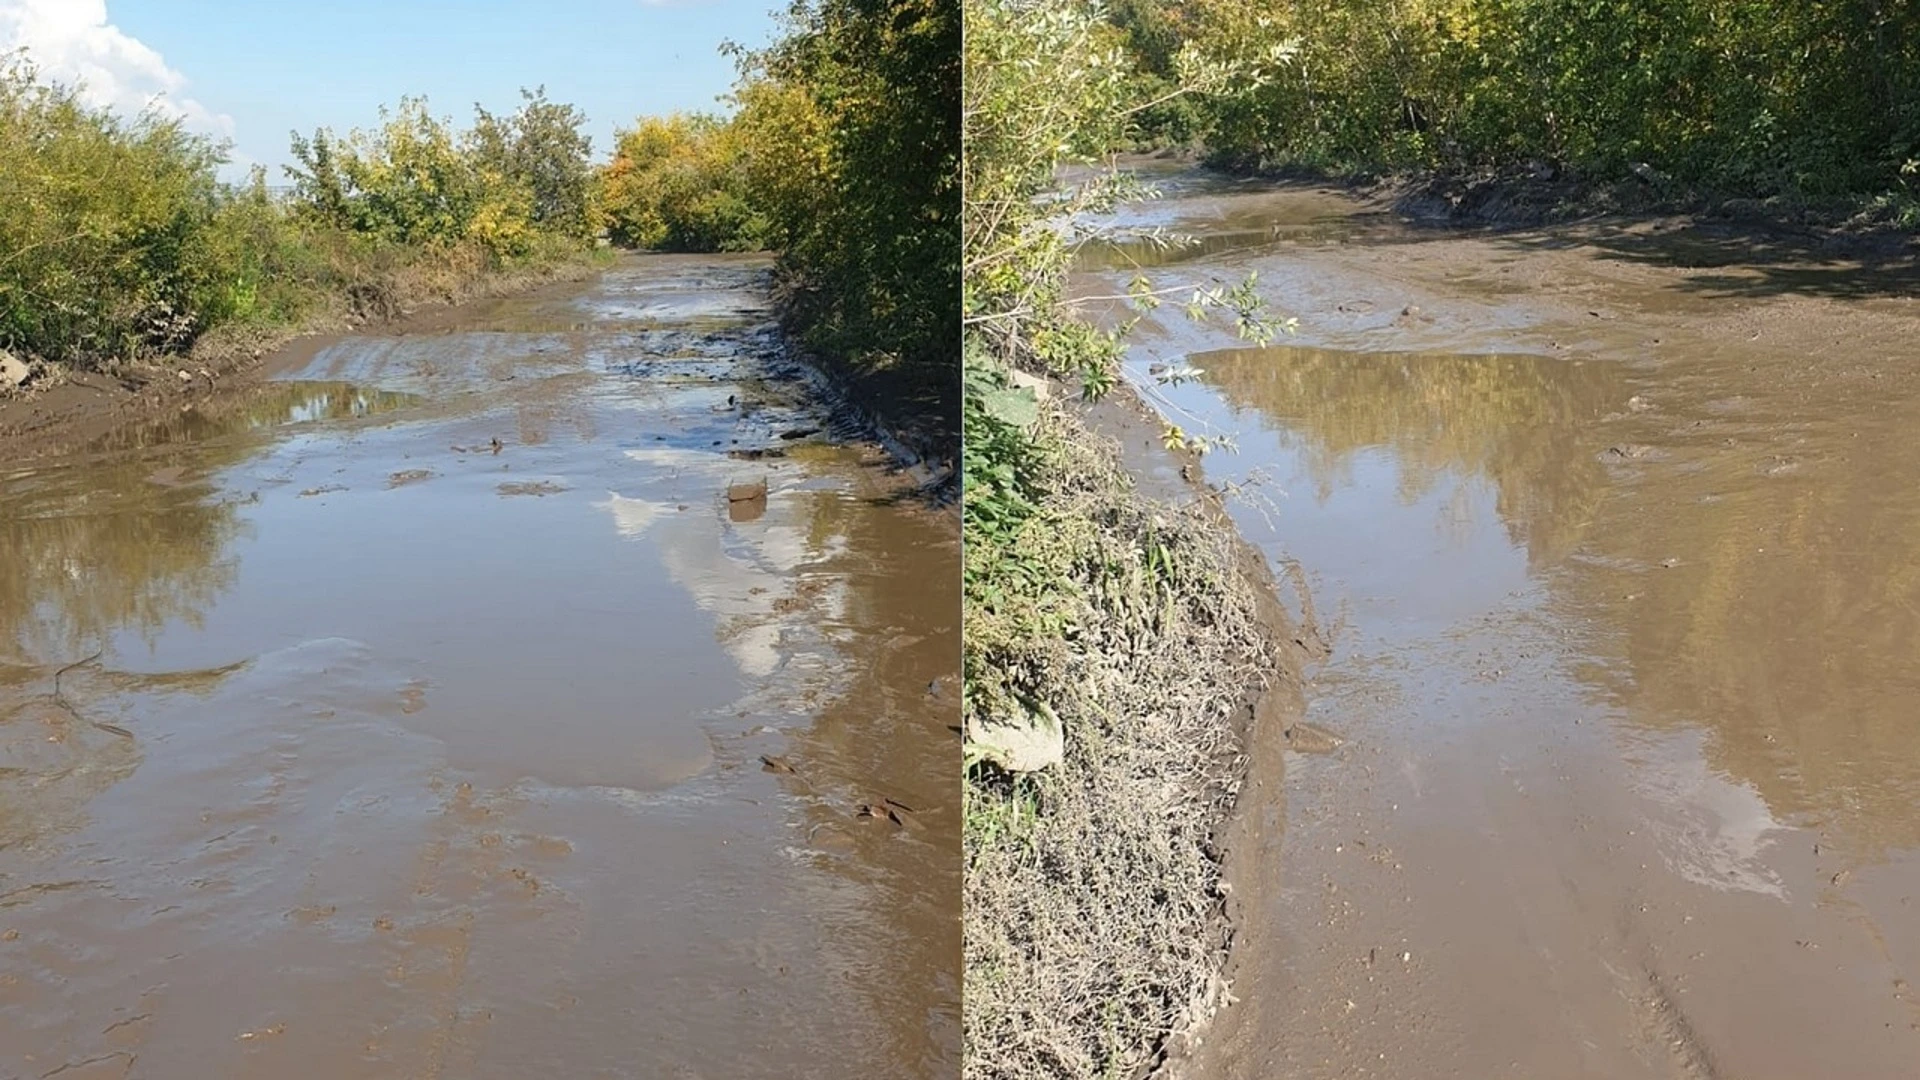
1614	531
431	710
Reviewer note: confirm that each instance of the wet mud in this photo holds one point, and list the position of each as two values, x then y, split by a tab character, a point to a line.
405	714
1613	770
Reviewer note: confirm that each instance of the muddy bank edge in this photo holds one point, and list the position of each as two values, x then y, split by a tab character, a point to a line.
66	409
922	435
1248	834
1539	195
1098	925
1534	198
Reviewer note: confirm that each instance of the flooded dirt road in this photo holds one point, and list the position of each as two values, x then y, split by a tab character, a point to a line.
1615	534
405	716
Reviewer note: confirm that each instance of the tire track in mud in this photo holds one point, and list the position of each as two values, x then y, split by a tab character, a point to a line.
1665	1028
467	881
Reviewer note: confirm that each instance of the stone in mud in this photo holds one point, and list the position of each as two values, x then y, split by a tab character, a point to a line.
408	476
13	370
832	839
538	488
744	510
1305	738
748	501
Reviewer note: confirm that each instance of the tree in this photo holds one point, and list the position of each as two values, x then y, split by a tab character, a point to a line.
542	148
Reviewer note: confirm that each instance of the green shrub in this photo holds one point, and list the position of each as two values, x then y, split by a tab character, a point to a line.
415	181
855	151
118	240
679	183
102	220
1756	96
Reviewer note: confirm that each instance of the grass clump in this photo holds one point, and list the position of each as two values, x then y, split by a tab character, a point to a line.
1093	907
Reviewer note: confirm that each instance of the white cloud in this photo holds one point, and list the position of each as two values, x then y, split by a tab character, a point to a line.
71	41
631	516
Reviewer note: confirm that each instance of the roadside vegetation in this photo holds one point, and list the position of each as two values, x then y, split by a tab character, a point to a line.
1805	104
841	154
1110	637
119	243
680	183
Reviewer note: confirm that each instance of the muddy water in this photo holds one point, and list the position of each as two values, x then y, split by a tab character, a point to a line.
1615	533
404	716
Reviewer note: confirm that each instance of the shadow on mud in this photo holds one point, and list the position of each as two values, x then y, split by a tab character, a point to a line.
1760	261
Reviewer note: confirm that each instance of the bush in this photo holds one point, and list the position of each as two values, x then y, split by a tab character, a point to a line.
854	150
1754	96
118	241
104	226
540	149
679	183
415	181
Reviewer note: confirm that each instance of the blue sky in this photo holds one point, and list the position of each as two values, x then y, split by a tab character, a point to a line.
254	70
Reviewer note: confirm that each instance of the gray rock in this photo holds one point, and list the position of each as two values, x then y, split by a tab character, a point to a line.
13	370
1020	744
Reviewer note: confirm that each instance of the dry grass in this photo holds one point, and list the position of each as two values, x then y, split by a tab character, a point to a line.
1093	920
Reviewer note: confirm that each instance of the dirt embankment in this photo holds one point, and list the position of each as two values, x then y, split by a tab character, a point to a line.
1097	923
1266	719
60	409
917	432
1539	194
915	412
1530	198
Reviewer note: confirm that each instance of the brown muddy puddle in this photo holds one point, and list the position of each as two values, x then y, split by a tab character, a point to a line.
405	717
1621	573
